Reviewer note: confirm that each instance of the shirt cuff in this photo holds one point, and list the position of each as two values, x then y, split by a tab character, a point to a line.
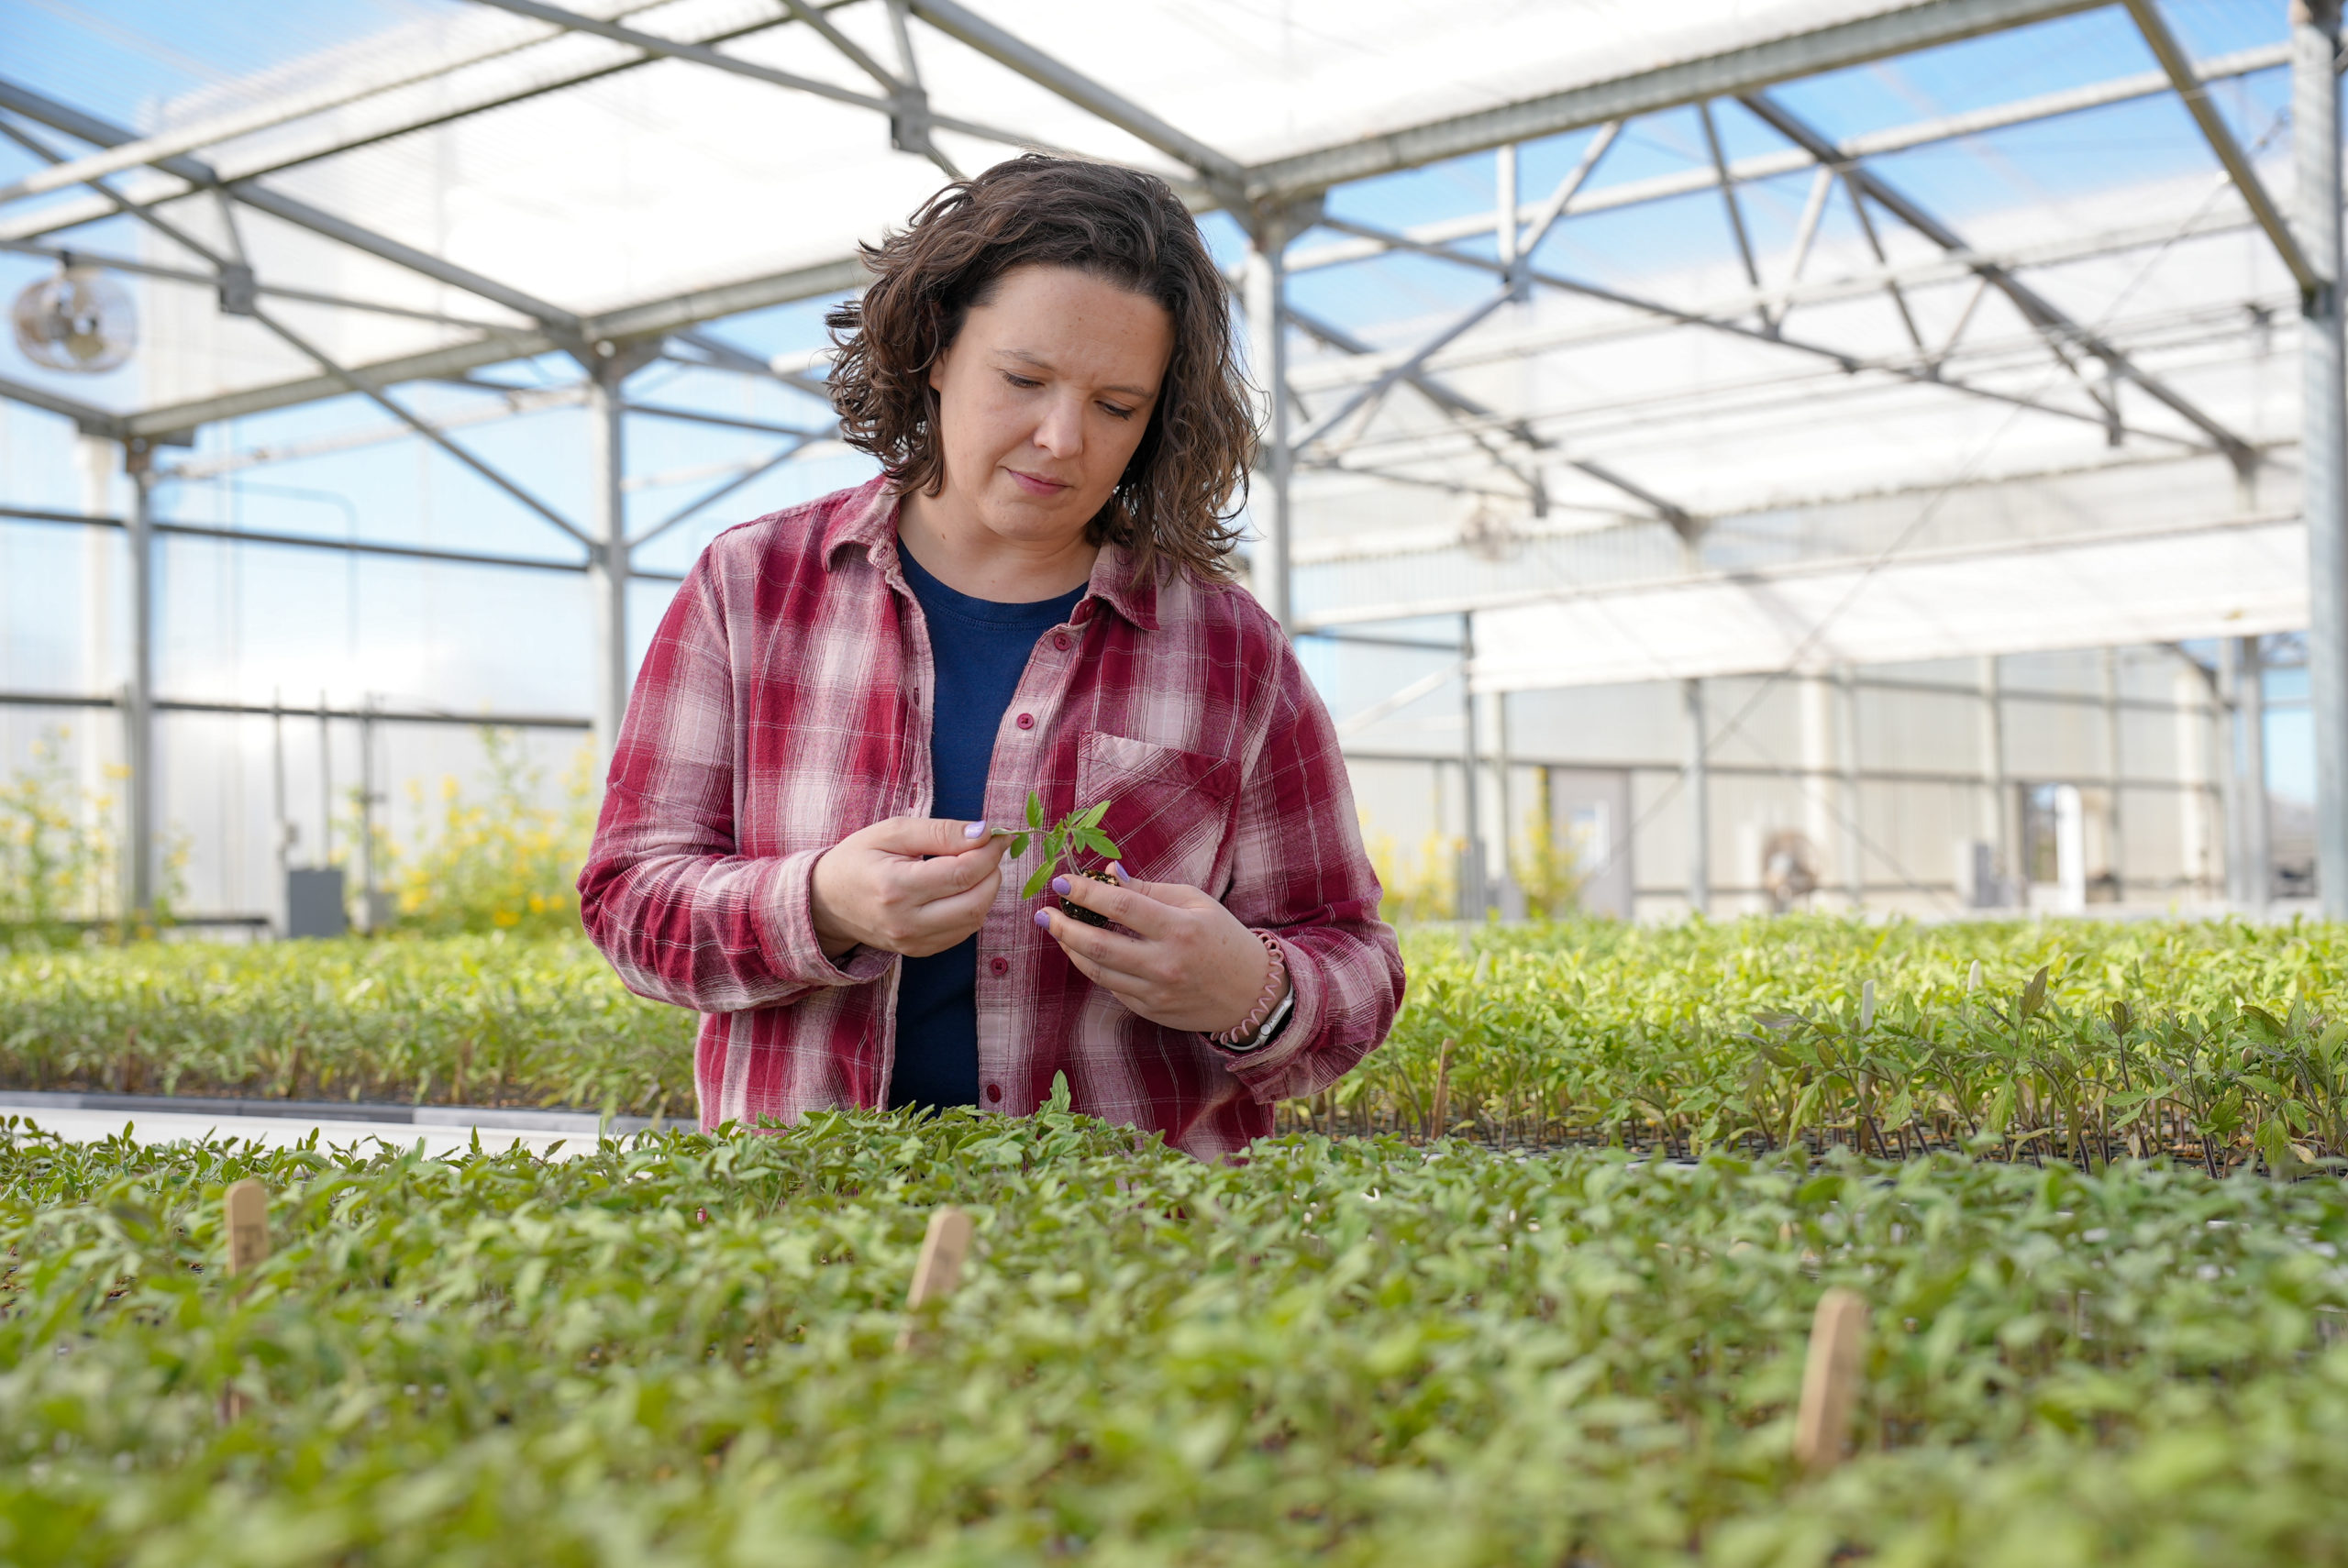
1274	1022
1266	1069
787	932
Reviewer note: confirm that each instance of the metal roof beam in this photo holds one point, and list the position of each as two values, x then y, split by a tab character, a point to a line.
1924	371
1763	166
211	281
1911	274
1729	74
89	128
648	319
976	32
2179	65
1728	199
366	387
1476	419
711	497
187	138
69	215
656	47
907	105
2035	308
89	418
724	356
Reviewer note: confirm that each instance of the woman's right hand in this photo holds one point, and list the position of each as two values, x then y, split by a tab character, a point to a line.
910	885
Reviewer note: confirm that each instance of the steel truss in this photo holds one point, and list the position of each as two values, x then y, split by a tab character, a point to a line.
1277	203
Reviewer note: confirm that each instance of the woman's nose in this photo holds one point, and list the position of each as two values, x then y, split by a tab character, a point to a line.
1062	431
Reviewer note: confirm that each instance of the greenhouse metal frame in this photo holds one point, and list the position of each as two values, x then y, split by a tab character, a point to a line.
1310	428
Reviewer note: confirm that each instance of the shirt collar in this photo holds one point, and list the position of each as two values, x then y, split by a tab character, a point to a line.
866	516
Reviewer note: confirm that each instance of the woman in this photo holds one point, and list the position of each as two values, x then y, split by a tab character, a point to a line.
848	699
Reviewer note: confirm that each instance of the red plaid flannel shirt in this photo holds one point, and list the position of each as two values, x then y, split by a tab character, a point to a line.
785	703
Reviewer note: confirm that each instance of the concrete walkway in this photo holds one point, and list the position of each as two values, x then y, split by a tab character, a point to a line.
441	1129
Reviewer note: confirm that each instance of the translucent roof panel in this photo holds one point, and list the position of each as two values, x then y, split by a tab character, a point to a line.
2235	581
578	174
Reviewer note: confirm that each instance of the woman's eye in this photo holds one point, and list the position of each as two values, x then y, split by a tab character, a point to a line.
1023	382
1116	412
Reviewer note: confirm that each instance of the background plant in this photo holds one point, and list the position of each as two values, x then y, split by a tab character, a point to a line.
60	857
2221	1043
503	860
494	1020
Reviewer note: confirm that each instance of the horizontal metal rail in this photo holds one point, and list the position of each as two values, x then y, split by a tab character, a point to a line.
265	710
1951	778
307	542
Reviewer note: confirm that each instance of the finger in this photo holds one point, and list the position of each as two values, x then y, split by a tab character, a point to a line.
1127	906
963	914
1106	948
1180	895
927	836
945	876
1131	989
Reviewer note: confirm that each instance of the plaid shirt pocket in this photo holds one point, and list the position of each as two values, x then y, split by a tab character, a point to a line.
1172	809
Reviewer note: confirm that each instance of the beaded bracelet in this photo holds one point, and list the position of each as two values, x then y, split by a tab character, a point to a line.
1244	1033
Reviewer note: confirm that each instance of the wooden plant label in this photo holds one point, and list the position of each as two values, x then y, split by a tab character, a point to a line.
1830	1380
248	1206
941	1251
939	1268
247	1203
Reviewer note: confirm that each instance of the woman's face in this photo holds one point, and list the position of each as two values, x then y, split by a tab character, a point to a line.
1042	400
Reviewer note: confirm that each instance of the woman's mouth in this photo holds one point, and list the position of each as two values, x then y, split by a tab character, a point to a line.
1036	484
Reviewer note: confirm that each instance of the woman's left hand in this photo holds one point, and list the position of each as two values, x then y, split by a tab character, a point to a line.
1189	964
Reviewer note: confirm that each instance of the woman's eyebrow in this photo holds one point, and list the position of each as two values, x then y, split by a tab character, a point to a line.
1039	362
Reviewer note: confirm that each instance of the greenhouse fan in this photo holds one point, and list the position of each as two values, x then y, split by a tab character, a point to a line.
81	319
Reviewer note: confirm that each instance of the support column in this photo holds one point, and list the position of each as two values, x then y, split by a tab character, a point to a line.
280	831
1475	895
323	856
139	694
2115	838
98	460
607	570
1266	296
2232	805
2259	828
1700	813
2323	428
1847	742
1819	803
1993	776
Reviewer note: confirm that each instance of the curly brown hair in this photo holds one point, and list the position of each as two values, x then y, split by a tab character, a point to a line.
1181	489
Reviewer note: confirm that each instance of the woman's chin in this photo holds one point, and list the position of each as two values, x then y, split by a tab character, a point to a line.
1058	523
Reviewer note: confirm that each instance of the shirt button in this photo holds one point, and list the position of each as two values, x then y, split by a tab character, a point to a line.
994	1091
1060	641
1000	965
1027	720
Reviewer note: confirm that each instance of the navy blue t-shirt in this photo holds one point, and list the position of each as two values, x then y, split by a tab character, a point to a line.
981	650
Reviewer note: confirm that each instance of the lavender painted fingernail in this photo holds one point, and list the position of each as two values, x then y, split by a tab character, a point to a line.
1042	919
974	829
1118	869
1059	886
